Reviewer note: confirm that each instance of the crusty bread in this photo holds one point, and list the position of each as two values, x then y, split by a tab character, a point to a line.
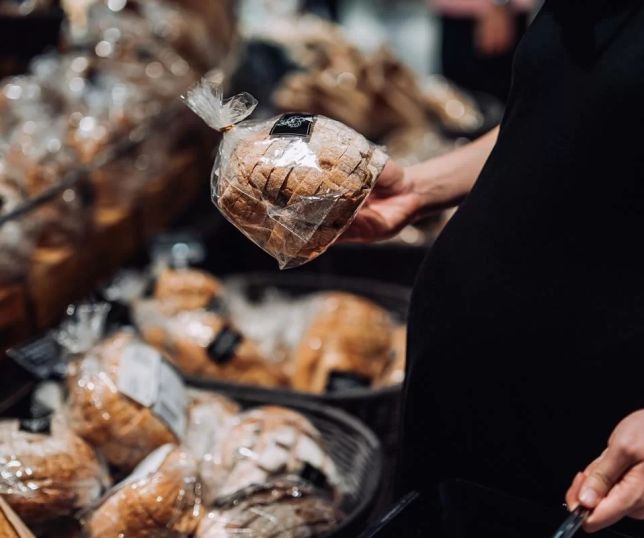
189	288
265	444
162	503
285	510
295	196
121	429
395	372
349	335
47	476
185	336
211	416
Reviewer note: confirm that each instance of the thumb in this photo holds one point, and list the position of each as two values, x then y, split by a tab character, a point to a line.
602	475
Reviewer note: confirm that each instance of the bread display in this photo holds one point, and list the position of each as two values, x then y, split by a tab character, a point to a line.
283	510
291	184
205	344
159	500
190	289
394	374
348	342
47	475
265	444
123	428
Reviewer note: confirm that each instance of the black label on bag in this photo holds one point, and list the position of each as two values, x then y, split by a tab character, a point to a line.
344	381
223	347
313	476
42	357
39	420
294	124
216	305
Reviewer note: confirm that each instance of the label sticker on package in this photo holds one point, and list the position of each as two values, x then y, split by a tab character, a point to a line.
172	400
139	374
223	347
294	124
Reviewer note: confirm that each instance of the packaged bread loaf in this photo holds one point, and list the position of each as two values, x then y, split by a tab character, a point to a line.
204	343
283	510
11	526
291	184
161	499
125	400
347	344
47	471
189	289
210	418
266	444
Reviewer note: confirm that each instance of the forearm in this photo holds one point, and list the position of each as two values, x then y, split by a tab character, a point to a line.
443	182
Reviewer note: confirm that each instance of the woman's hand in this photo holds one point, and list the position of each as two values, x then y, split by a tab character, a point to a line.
390	207
495	31
613	485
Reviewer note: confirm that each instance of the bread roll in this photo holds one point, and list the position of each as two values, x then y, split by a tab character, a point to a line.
122	429
285	510
348	336
44	476
160	500
202	343
189	288
267	443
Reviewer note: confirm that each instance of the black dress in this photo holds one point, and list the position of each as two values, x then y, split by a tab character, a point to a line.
526	341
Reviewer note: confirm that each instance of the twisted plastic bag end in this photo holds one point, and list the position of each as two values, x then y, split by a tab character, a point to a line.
206	99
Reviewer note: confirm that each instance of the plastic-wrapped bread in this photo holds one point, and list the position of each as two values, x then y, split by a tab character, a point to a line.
11	526
125	400
348	343
268	443
210	418
189	289
203	343
16	237
292	184
46	471
395	372
282	510
161	499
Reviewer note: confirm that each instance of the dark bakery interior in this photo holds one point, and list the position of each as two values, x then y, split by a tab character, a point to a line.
320	268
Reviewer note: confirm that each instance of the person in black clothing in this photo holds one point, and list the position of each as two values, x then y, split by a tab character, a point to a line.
526	331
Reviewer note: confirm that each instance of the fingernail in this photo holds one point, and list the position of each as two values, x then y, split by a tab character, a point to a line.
588	496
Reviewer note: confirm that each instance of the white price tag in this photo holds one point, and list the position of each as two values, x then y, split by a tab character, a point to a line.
172	401
139	374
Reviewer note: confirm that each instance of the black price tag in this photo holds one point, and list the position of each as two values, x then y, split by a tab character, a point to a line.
39	420
294	124
223	347
42	357
313	476
344	381
217	306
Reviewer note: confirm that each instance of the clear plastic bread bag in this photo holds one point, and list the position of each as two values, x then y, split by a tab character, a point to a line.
291	184
161	498
46	471
125	400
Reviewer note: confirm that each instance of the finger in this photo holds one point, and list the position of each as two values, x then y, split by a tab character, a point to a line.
603	475
625	498
572	495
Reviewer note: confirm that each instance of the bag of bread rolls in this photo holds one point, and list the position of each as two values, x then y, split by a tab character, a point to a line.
266	444
46	471
291	184
348	344
11	526
189	289
282	510
125	400
204	343
160	499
